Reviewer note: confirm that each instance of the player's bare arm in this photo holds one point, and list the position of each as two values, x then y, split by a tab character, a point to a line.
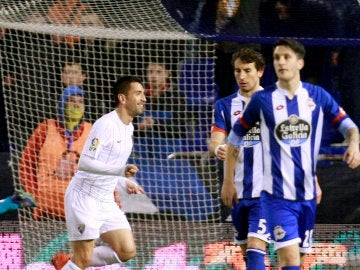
228	191
216	146
352	154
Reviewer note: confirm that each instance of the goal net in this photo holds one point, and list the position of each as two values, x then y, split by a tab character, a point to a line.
52	47
49	46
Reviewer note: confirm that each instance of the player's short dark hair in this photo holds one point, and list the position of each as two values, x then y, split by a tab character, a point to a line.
122	85
293	44
248	55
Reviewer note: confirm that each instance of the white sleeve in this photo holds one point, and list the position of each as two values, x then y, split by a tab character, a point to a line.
92	165
121	184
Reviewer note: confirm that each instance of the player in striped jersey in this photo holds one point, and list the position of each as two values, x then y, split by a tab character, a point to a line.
90	209
291	115
243	177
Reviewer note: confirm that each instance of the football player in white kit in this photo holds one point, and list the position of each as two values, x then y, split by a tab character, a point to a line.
91	211
291	115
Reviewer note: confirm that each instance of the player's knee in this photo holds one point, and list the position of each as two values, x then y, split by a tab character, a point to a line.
128	254
256	243
125	256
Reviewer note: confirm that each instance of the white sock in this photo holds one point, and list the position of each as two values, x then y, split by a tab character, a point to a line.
70	266
104	255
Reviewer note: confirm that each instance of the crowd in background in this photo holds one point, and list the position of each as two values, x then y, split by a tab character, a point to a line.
333	67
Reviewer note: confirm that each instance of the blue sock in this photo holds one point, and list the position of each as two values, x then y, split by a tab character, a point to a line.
290	268
7	204
255	259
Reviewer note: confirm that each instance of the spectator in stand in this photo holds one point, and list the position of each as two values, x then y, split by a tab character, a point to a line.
102	65
50	157
97	54
66	12
73	74
167	109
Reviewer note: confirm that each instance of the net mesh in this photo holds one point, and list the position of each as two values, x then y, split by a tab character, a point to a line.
177	223
110	39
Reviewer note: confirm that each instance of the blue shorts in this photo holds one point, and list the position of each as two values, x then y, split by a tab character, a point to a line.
248	220
289	222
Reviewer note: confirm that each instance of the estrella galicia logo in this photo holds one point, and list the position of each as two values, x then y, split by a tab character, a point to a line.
252	137
293	131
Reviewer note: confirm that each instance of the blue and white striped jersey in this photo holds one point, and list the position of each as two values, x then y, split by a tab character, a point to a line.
249	166
291	131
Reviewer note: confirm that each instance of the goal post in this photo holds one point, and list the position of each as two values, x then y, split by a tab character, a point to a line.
113	38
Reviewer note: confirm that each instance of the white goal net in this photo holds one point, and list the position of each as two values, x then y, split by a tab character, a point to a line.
48	46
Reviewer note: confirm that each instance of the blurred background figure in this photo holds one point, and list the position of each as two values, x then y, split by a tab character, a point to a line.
19	199
50	157
166	108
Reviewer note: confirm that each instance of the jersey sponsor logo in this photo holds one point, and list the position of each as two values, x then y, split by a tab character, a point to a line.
252	137
293	131
94	144
280	107
279	233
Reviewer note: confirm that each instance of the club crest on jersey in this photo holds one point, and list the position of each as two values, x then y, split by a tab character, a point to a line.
94	144
81	228
311	104
293	131
279	233
252	137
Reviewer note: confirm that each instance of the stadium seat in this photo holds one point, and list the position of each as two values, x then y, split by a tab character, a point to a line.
175	188
197	80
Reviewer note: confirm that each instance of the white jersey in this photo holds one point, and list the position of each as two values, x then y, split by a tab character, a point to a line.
249	166
104	156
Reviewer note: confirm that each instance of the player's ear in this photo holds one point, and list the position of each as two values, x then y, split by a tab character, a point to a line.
301	63
121	98
260	72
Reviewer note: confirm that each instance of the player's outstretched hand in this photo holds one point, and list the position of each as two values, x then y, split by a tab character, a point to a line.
131	170
133	188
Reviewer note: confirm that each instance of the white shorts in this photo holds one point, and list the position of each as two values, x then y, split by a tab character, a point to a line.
88	218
